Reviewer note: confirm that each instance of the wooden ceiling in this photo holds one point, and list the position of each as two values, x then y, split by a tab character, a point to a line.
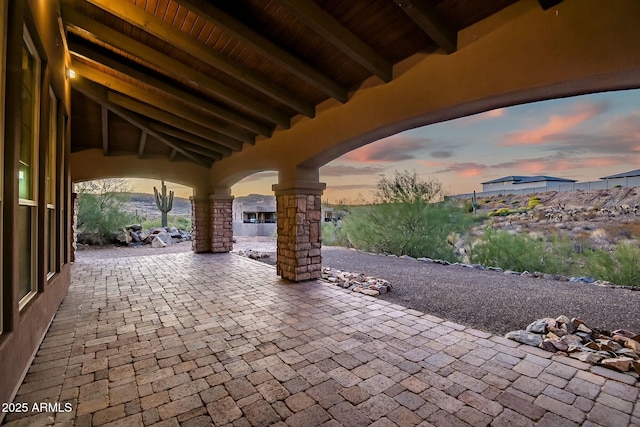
196	80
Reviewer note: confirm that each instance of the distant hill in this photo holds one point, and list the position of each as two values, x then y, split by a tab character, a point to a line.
144	206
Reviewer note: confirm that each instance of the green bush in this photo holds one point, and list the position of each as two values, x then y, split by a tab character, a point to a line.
520	252
533	202
100	207
405	220
621	267
332	235
180	222
416	229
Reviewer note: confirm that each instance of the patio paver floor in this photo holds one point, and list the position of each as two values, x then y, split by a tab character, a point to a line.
201	339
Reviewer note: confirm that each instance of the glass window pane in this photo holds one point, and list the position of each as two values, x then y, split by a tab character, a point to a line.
25	252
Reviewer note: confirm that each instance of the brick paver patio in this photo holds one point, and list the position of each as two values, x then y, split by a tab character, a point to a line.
198	340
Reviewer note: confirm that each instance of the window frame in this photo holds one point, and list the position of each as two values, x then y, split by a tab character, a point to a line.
3	78
52	257
32	204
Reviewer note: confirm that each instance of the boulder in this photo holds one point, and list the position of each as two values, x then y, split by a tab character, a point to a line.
525	337
158	243
134	227
122	237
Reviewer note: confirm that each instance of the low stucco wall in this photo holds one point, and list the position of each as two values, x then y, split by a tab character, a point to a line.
248	229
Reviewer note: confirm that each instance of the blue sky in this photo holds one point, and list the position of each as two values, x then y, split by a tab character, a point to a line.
582	138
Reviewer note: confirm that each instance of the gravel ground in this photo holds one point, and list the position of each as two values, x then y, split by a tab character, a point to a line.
486	300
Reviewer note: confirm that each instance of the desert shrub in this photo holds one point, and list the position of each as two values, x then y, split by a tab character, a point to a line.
100	207
405	221
621	267
332	235
533	202
522	252
180	222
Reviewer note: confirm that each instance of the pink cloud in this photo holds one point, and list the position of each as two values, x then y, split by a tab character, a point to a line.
498	112
556	124
395	148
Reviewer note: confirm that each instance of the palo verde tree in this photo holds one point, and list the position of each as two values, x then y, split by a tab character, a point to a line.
164	203
409	217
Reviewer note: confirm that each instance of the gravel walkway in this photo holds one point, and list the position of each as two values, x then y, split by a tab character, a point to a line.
488	300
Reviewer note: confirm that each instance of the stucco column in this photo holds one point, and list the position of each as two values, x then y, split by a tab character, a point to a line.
299	235
221	222
200	224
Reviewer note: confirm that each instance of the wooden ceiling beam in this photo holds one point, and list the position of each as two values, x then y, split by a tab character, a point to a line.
171	111
185	137
168	118
339	36
266	48
99	94
191	138
105	131
169	34
89	54
142	143
429	19
81	23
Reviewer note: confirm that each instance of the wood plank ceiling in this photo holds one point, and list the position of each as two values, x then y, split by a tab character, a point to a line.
196	80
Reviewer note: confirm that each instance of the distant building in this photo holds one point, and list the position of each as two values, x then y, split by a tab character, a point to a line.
523	182
624	179
254	215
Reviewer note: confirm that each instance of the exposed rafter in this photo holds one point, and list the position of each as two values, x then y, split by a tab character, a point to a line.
169	34
332	30
99	94
162	104
105	131
193	139
82	51
266	48
143	141
165	117
78	22
427	17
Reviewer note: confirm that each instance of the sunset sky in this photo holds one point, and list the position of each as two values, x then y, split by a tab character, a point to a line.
582	138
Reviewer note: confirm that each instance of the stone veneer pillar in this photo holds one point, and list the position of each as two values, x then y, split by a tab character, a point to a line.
74	227
299	233
221	223
200	224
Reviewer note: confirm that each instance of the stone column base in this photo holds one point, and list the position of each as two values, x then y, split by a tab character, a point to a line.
74	227
221	223
299	234
200	224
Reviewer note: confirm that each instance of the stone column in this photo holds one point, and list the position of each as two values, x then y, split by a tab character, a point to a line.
200	224
74	228
299	233
221	223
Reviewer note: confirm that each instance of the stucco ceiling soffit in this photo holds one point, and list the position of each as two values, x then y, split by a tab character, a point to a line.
167	88
332	30
98	94
266	48
176	68
427	17
180	39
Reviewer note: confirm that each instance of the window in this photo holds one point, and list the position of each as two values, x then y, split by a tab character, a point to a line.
50	188
3	68
27	172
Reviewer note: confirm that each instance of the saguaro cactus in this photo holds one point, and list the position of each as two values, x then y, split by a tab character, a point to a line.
474	202
164	203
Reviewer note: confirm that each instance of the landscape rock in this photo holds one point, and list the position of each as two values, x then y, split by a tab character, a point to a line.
158	243
356	282
619	350
525	337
